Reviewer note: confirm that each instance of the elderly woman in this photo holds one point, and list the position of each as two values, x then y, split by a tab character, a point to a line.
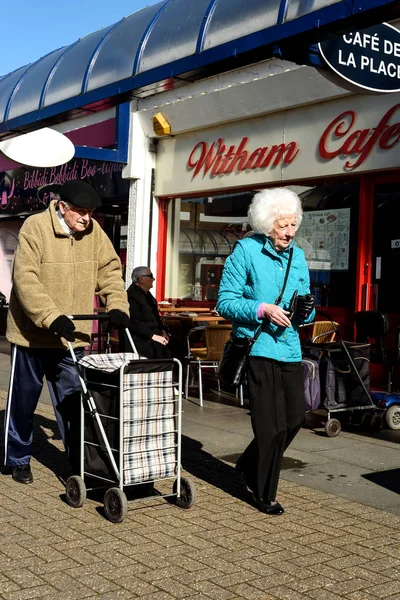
252	282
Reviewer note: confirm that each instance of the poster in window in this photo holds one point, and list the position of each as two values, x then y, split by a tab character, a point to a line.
324	236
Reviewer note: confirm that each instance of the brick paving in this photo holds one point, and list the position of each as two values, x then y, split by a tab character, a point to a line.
323	547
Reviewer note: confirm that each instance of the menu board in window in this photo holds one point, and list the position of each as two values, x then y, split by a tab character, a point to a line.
324	236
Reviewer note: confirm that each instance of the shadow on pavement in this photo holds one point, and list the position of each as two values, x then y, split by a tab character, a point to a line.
205	466
386	479
46	453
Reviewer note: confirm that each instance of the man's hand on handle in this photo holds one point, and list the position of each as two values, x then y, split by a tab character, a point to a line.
118	319
63	327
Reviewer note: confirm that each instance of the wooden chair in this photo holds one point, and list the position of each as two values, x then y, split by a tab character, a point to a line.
322	331
207	356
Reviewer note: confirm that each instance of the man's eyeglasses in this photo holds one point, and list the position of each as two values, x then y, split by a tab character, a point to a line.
149	275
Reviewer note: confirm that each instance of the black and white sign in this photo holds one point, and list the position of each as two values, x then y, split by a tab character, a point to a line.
368	59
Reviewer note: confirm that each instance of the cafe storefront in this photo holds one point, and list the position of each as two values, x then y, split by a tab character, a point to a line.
340	155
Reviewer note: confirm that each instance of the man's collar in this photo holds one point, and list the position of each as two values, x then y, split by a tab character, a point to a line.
63	223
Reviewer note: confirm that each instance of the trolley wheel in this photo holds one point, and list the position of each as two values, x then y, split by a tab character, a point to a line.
75	491
115	505
188	493
366	422
376	423
332	427
392	417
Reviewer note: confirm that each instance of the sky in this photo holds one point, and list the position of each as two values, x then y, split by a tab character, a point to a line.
36	27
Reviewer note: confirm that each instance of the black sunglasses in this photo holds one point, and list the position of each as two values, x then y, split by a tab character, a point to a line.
149	275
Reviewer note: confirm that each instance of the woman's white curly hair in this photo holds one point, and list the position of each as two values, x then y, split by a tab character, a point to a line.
272	204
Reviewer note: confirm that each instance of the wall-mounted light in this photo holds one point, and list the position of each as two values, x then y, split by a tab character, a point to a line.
161	125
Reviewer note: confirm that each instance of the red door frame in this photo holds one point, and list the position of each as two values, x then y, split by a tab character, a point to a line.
161	259
364	258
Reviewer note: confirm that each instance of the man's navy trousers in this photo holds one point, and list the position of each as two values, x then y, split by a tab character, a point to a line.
28	368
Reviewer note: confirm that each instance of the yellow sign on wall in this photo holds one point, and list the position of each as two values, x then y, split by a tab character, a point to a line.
161	125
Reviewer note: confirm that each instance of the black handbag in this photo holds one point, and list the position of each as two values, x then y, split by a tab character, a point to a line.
233	364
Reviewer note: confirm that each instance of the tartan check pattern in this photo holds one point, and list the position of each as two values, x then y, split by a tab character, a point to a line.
149	406
150	465
146	428
149	419
108	362
145	444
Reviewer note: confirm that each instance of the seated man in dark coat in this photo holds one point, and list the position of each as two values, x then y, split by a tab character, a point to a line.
148	332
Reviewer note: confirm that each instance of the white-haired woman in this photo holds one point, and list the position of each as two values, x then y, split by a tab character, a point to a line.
252	281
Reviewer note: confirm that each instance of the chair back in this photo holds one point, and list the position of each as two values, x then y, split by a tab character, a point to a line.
216	337
324	331
371	327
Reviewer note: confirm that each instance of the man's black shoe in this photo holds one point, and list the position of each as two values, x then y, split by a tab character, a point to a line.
22	474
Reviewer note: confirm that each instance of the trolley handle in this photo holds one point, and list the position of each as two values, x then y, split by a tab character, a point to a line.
96	317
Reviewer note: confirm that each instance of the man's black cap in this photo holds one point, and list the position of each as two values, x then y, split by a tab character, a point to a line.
80	194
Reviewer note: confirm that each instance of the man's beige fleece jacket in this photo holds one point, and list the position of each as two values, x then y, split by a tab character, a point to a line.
56	274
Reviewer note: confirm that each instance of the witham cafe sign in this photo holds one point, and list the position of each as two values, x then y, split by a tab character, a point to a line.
368	60
346	136
25	190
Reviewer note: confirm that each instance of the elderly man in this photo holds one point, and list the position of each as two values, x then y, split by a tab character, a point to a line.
147	329
63	257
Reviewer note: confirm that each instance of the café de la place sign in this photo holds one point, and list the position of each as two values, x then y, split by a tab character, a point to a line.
368	60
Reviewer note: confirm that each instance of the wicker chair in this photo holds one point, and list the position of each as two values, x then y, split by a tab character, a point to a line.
208	356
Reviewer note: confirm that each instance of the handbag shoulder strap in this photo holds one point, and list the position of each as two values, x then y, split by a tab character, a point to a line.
279	298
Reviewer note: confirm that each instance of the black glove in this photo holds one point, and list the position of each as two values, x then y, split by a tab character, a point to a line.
63	327
118	319
304	306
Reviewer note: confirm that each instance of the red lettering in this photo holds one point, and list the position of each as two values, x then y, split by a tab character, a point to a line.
207	157
382	125
278	151
361	142
339	127
228	157
221	161
240	157
392	132
254	158
218	159
356	142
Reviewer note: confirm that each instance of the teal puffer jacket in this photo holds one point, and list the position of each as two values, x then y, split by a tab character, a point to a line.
253	274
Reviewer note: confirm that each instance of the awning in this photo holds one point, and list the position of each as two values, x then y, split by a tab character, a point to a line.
158	47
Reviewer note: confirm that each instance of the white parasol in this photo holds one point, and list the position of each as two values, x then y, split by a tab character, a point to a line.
41	148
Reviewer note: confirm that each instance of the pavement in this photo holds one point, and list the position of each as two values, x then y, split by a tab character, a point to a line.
339	536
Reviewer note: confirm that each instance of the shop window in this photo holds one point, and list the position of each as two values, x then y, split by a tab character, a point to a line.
202	234
328	236
203	231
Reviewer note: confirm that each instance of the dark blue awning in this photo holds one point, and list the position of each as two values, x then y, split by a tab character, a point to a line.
158	47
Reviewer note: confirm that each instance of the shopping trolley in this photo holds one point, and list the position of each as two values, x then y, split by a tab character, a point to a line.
344	382
131	421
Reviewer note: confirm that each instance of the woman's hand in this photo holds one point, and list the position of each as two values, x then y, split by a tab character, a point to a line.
276	315
160	339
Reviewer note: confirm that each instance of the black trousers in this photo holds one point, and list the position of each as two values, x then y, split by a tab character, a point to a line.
277	406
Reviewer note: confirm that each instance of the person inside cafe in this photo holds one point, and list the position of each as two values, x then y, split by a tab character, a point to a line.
150	335
249	295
